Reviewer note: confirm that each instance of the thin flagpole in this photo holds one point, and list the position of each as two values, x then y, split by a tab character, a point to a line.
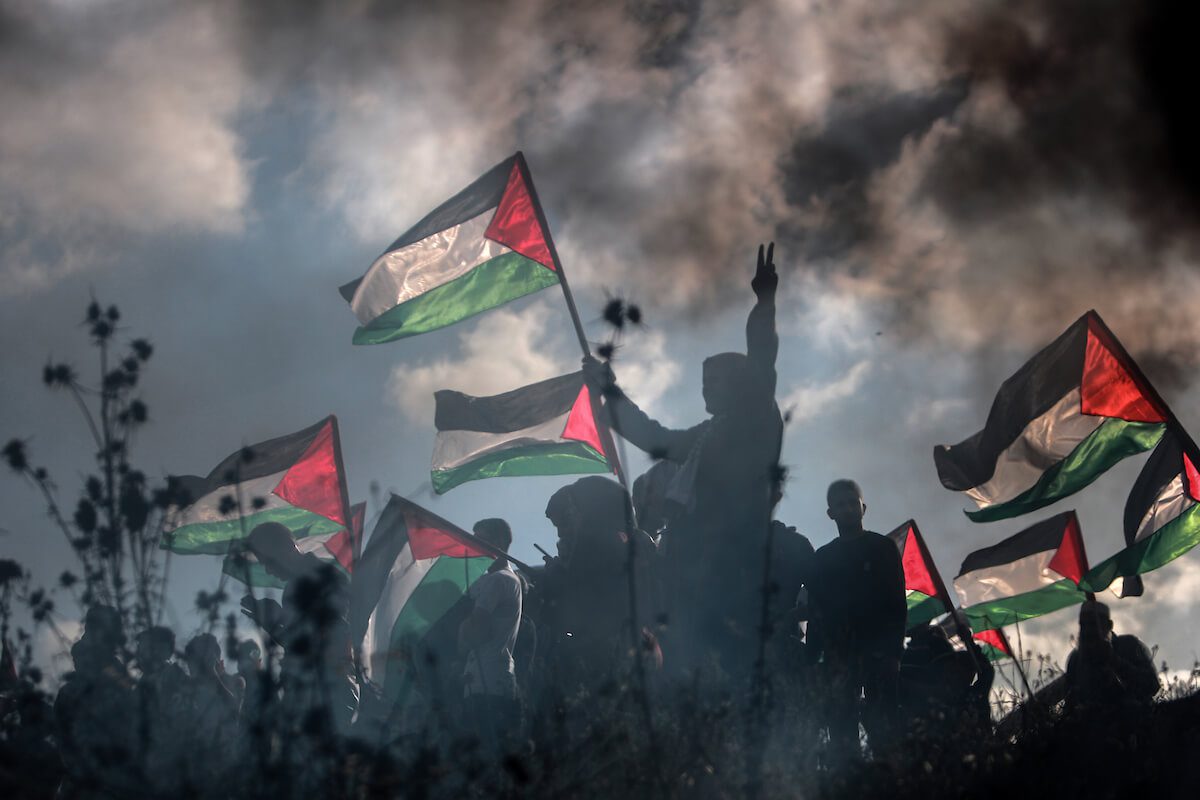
964	634
604	429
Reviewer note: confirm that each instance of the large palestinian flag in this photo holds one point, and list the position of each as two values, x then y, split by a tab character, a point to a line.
1162	516
920	585
295	480
415	568
1032	573
341	548
483	247
547	428
1080	406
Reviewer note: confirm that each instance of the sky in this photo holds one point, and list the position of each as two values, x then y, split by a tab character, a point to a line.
950	183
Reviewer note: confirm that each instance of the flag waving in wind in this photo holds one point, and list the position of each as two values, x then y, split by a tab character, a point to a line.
1162	516
920	585
1029	574
483	247
1072	412
547	428
415	567
296	480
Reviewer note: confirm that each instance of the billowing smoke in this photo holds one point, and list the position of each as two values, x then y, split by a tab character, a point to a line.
974	171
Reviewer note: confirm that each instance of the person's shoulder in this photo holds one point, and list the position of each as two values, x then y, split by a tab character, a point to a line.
1128	644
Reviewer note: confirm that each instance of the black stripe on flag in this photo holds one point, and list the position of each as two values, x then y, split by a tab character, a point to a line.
1030	392
484	193
265	458
508	412
1045	535
1164	465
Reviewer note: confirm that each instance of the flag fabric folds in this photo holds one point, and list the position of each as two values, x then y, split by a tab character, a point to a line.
1072	412
339	548
919	584
480	249
415	567
547	428
1029	574
1162	516
296	480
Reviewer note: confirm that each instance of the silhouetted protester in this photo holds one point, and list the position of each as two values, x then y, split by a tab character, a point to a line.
209	714
160	695
487	639
787	600
728	467
856	596
1107	673
653	509
317	669
94	716
582	596
944	691
250	670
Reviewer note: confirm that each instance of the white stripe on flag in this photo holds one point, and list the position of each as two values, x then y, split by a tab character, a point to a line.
408	272
404	576
207	508
998	582
1045	441
454	448
1169	504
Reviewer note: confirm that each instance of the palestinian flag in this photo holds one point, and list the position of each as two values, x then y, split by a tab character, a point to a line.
919	584
483	247
992	642
295	480
414	569
1162	516
1080	406
547	428
339	548
1032	573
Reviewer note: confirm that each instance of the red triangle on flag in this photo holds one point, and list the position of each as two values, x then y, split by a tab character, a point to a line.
581	423
515	223
1192	478
427	539
994	639
312	483
1071	559
1109	388
917	576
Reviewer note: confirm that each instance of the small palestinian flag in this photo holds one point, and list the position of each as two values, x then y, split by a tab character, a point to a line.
295	480
547	428
339	548
920	585
992	642
1032	573
414	569
1080	406
1162	516
483	247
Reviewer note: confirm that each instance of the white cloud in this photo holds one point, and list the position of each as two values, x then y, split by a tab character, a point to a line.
808	400
646	373
505	350
127	129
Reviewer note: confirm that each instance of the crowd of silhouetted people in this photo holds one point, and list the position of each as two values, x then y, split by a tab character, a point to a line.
685	586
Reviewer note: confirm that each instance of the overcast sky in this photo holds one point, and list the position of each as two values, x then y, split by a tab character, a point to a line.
950	185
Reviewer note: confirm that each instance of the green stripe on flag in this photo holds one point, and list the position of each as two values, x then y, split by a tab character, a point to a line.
438	591
1159	548
921	609
566	458
1113	441
492	283
1010	610
214	538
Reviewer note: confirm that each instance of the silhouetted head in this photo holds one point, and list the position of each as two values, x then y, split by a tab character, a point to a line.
725	376
202	654
846	506
249	656
1095	621
592	508
155	646
495	532
102	625
275	548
